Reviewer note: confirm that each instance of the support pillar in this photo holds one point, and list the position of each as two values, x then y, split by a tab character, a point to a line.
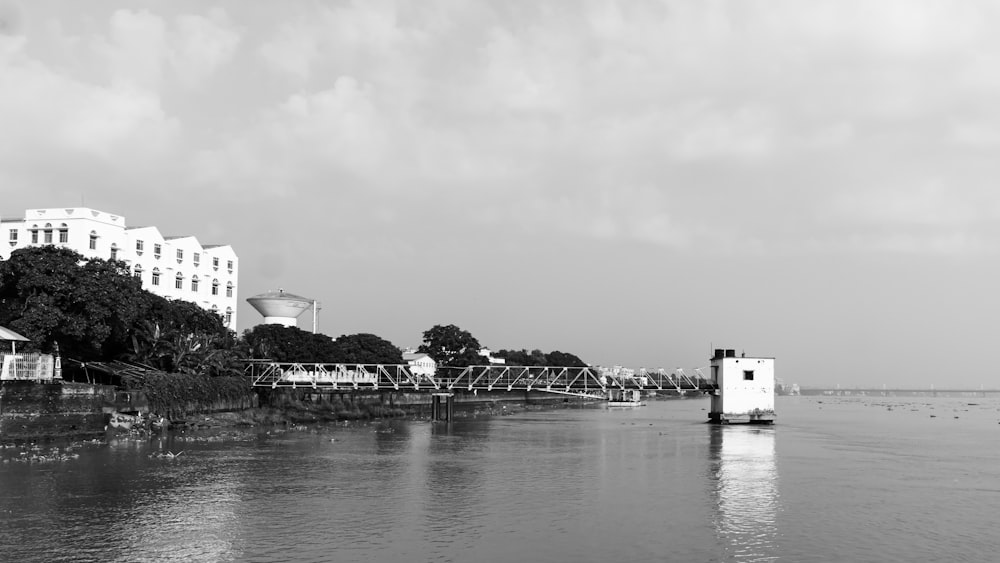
445	412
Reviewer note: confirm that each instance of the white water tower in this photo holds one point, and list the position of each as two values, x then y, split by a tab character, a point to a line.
281	308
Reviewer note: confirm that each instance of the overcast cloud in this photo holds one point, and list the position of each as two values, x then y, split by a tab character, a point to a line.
631	181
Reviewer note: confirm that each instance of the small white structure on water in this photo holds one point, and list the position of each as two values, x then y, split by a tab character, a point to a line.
744	389
281	308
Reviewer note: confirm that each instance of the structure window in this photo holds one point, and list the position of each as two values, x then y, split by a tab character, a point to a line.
196	258
156	277
138	271
229	289
748	375
114	251
215	263
180	254
93	240
63	234
179	281
229	265
194	283
156	250
13	236
139	246
229	316
48	234
215	287
34	235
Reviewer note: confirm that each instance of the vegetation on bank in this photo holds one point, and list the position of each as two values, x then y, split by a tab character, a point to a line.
95	310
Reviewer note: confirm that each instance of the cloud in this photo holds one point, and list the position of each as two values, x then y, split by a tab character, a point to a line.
54	114
201	45
612	121
140	47
309	135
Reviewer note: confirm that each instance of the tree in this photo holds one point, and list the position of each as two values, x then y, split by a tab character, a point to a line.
54	295
451	346
289	344
366	349
538	358
515	357
564	359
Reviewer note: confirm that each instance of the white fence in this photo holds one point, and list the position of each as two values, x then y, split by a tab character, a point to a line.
27	367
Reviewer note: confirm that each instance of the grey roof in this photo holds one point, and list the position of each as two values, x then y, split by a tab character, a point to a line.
280	294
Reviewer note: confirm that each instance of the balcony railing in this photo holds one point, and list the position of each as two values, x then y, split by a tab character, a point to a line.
27	367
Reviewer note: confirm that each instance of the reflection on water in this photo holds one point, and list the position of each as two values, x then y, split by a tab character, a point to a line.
746	490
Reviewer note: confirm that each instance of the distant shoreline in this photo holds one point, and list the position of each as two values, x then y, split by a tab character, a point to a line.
898	392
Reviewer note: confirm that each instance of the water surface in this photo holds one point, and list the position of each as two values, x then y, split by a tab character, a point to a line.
837	479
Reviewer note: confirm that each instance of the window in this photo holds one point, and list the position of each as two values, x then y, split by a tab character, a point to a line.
196	258
156	277
138	246
114	251
93	240
229	289
63	234
34	235
13	236
138	271
215	262
48	233
179	281
229	315
156	250
229	265
180	254
194	283
748	375
215	287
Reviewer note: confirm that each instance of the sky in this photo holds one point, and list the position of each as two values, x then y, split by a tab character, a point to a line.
636	182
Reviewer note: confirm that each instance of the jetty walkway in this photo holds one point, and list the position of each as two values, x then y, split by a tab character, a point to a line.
584	382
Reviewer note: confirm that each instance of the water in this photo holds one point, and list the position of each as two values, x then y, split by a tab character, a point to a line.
837	479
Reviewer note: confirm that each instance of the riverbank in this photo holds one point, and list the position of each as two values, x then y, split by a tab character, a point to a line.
31	411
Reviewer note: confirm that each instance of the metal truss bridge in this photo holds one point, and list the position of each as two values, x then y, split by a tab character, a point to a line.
581	382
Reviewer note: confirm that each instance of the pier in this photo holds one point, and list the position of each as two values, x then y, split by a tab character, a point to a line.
584	382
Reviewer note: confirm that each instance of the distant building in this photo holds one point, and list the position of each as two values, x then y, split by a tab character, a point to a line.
490	358
172	267
420	363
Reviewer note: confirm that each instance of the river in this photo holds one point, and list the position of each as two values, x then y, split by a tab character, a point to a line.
836	479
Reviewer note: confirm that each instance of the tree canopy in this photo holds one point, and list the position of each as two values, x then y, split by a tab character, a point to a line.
52	294
366	349
292	344
289	344
451	346
96	310
539	358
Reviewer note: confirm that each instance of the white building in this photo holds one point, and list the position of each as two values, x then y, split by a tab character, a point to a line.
172	267
745	391
420	364
490	358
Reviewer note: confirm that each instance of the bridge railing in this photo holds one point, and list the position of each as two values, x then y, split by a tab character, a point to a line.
584	381
579	381
263	373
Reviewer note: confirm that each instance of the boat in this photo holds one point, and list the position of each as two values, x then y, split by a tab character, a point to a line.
625	398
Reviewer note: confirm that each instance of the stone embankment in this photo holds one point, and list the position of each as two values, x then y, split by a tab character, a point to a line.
30	411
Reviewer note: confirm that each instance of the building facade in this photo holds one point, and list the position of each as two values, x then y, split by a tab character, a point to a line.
745	388
172	267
